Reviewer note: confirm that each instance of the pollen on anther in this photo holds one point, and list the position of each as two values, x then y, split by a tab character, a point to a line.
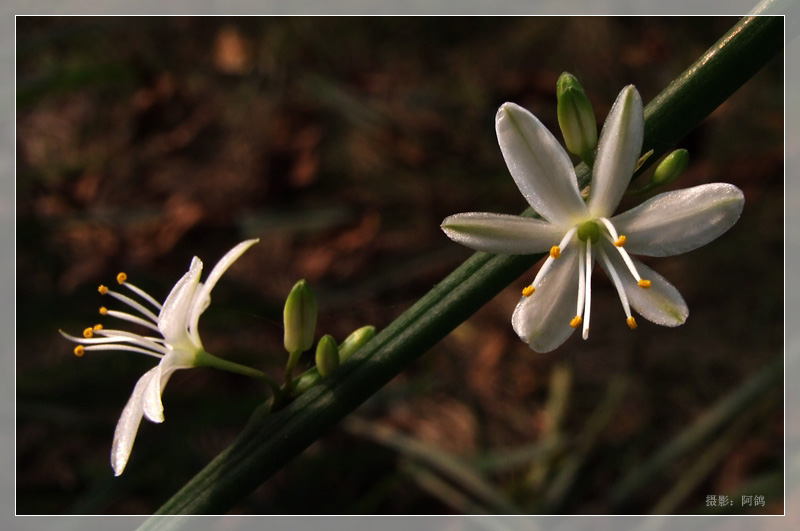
576	321
644	283
103	310
97	327
102	289
527	291
78	351
619	242
89	332
121	278
631	323
555	251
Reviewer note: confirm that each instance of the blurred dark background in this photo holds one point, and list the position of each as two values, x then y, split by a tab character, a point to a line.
342	143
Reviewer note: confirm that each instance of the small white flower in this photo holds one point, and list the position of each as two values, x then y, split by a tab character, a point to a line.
179	346
576	231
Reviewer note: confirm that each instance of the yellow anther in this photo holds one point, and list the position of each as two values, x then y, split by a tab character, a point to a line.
644	283
619	242
527	291
631	323
103	310
121	278
78	351
88	333
576	321
102	289
97	327
555	251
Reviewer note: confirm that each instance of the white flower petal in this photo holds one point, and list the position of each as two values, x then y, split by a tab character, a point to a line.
153	407
617	152
128	423
203	296
172	321
151	399
677	222
539	165
542	320
500	233
661	303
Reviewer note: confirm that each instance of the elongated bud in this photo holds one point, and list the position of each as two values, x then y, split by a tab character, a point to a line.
576	118
355	341
671	167
327	356
299	318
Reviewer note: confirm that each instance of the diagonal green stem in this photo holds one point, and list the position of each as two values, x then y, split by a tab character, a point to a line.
269	441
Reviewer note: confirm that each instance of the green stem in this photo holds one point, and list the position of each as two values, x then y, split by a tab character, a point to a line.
269	441
294	357
204	359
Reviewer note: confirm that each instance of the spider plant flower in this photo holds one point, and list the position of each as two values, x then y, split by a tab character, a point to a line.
175	342
576	233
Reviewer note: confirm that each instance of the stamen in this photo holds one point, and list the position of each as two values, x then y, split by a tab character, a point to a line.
132	319
121	278
127	348
88	332
153	346
629	263
97	327
542	271
618	240
102	289
643	283
78	351
528	291
142	293
576	321
565	240
133	304
581	282
631	323
623	297
549	261
588	304
103	310
555	252
152	343
611	230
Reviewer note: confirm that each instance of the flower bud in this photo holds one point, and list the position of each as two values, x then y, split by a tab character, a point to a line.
355	341
576	118
327	357
671	167
299	318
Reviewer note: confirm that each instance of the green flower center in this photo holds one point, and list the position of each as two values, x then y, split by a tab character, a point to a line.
589	231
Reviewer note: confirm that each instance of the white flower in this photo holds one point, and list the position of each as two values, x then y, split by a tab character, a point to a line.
179	346
576	231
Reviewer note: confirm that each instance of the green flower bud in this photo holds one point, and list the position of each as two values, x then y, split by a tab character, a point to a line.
327	356
355	341
299	318
576	118
671	167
